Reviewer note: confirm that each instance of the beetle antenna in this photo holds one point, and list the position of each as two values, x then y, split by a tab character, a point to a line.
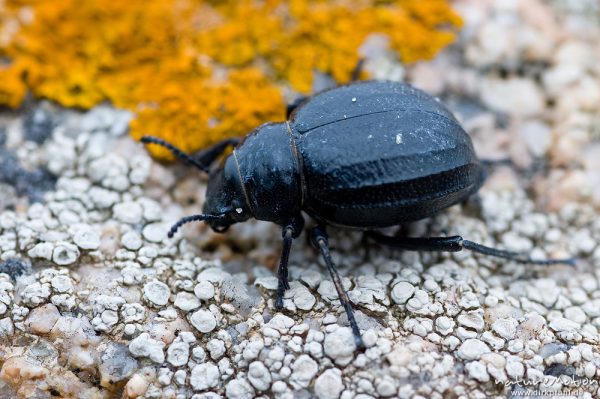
189	219
178	153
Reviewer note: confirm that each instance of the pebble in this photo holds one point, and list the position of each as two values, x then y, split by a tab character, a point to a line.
505	328
186	301
178	353
203	320
444	325
43	250
302	297
259	376
144	346
65	254
514	96
239	389
478	371
157	293
329	384
303	371
472	349
204	376
155	232
402	292
216	348
128	212
86	238
204	290
131	240
340	346
41	320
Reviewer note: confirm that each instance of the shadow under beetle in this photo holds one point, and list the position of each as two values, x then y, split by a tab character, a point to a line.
367	155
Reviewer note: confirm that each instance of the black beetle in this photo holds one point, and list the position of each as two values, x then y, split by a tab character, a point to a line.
367	155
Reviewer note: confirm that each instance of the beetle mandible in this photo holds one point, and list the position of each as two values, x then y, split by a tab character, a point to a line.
366	155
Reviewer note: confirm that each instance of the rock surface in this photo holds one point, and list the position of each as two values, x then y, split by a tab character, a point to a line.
95	300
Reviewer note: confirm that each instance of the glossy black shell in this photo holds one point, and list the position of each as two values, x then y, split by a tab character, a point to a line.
378	153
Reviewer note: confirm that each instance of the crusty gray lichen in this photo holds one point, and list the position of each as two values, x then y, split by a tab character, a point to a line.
95	300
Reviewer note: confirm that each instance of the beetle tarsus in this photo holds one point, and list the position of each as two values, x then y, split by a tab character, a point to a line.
457	243
319	239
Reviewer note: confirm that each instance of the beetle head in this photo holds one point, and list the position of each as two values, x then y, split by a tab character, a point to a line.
225	198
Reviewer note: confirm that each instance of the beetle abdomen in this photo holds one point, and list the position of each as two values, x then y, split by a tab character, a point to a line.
385	167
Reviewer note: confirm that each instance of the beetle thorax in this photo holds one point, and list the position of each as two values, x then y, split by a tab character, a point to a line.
269	171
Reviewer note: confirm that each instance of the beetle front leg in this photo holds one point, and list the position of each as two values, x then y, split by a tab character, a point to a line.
318	237
457	243
290	231
210	154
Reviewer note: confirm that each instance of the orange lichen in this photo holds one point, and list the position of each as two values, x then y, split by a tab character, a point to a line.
196	71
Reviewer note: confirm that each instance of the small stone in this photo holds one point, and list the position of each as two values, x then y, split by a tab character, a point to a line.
514	368
144	346
506	328
386	387
329	384
155	232
42	250
402	292
128	212
186	301
561	324
136	386
537	136
132	241
65	254
62	284
157	293
216	348
303	371
513	96
259	376
203	320
302	297
86	238
444	325
116	364
178	353
478	371
472	349
574	313
6	327
472	320
204	290
239	389
42	319
340	346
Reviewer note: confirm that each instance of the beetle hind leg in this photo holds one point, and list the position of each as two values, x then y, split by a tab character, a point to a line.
319	239
457	243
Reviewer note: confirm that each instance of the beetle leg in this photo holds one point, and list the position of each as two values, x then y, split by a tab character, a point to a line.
457	243
358	68
319	239
290	231
290	107
282	271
